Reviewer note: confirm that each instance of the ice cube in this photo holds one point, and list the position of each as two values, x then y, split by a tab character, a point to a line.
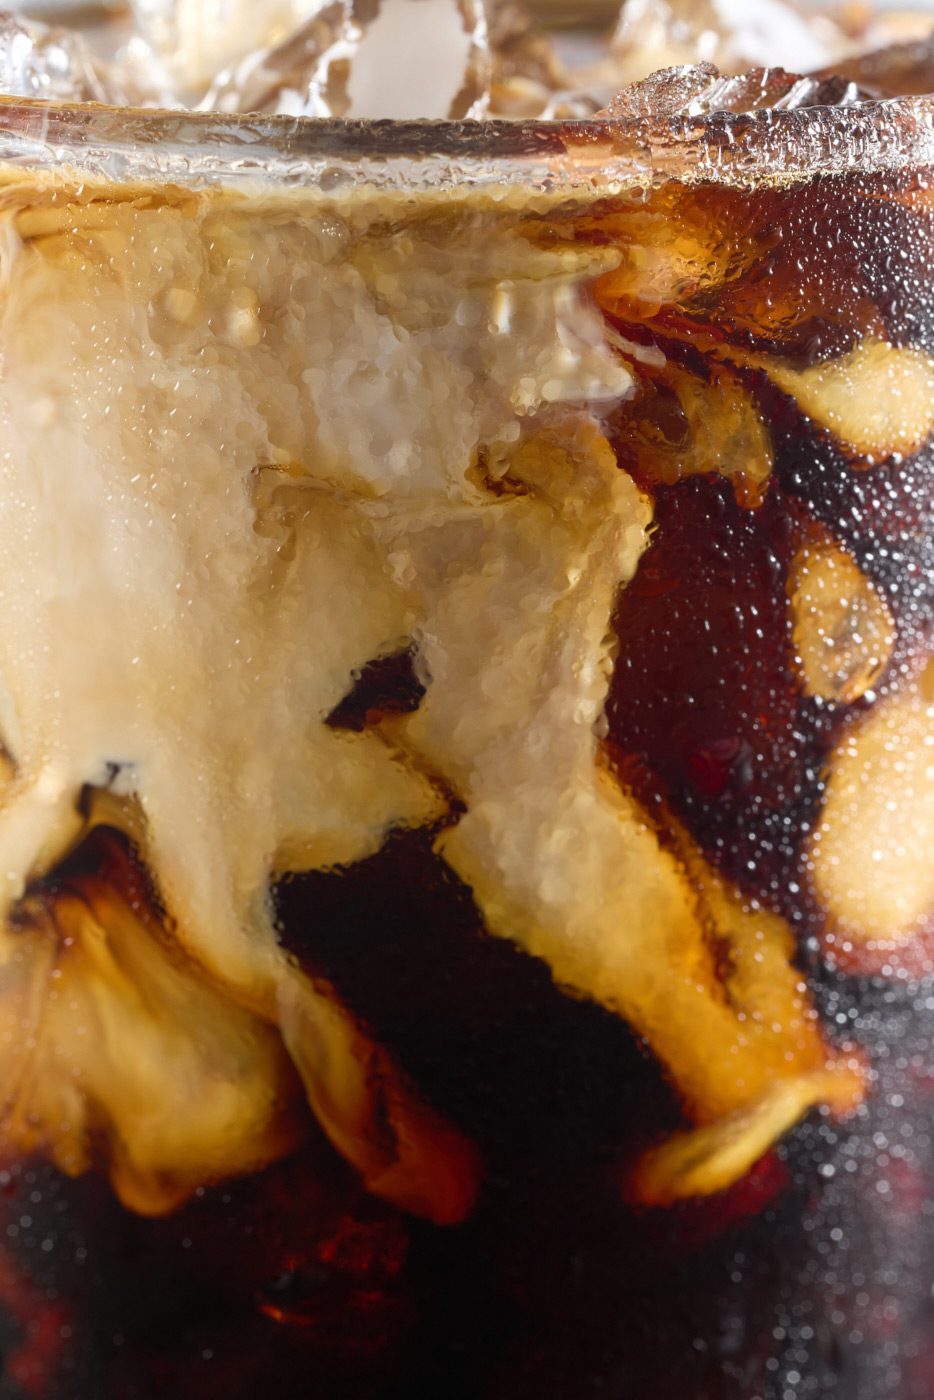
529	75
526	70
666	93
278	79
405	59
733	34
870	27
900	70
520	47
700	89
36	61
351	58
197	38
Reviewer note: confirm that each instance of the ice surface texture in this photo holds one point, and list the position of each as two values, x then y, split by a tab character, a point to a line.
54	64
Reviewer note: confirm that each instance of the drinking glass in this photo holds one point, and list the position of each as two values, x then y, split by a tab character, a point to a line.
467	705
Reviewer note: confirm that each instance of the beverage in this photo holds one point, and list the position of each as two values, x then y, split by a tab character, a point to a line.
466	892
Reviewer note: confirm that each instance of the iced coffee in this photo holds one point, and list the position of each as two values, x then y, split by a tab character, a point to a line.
467	706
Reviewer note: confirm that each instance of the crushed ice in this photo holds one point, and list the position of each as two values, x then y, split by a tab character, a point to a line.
38	61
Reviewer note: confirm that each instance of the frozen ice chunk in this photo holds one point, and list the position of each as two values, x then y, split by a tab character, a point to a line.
526	70
900	70
700	89
667	93
36	61
196	38
405	58
530	74
397	58
519	47
869	27
279	79
733	34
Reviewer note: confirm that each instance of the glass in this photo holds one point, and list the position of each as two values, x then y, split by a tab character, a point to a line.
467	669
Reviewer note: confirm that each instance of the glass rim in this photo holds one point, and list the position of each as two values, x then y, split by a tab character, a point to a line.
593	155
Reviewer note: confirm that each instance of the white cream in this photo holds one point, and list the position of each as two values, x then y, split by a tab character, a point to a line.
230	432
